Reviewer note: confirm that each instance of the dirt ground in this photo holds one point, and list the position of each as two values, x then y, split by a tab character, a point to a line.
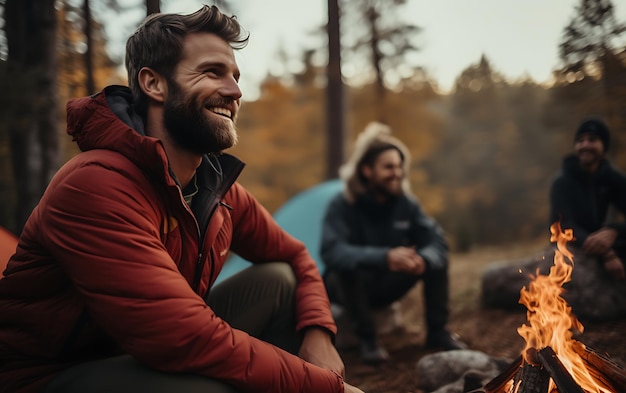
493	332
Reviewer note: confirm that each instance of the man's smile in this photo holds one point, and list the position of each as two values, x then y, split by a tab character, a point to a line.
221	111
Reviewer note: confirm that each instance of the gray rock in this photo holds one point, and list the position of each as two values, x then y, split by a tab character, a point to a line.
446	372
592	293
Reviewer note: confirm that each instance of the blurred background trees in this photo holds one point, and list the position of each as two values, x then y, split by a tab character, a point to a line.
483	154
594	48
49	54
29	113
377	43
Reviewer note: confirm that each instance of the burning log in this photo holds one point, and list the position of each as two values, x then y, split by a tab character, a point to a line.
524	377
497	384
556	370
531	379
603	368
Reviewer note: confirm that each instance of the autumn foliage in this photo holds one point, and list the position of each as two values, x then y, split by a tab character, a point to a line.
483	154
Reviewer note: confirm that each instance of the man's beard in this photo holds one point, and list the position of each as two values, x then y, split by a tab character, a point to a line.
190	128
586	161
385	189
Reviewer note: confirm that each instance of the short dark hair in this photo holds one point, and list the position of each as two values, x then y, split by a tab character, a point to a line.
158	43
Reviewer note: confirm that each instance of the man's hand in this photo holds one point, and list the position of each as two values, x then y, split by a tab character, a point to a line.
347	388
615	267
600	241
317	348
405	260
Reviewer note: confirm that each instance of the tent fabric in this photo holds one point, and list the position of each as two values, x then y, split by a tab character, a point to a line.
8	244
301	216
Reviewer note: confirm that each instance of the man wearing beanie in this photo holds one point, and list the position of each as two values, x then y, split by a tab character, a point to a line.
586	192
377	243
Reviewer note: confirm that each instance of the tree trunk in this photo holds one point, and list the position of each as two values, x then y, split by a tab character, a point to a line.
377	60
334	95
153	7
30	28
89	82
614	85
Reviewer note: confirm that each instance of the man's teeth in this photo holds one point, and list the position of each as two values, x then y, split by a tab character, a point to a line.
221	111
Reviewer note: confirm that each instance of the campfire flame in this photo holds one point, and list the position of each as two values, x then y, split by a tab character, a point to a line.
550	321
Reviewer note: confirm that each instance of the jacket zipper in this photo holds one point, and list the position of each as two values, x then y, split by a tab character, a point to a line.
213	203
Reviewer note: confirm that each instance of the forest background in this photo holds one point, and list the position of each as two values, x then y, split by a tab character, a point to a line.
483	154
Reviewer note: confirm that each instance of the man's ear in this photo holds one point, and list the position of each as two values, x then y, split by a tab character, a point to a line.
152	84
366	171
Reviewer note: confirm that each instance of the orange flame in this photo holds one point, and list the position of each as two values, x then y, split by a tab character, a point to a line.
550	321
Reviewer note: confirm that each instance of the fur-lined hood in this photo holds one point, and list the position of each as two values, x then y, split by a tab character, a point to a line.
373	134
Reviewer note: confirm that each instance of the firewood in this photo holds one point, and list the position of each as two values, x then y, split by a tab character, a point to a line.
532	379
535	378
496	385
561	377
602	368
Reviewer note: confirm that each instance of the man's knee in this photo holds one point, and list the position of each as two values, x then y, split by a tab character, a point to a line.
276	280
277	272
124	374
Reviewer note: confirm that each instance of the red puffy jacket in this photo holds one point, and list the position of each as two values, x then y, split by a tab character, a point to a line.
111	262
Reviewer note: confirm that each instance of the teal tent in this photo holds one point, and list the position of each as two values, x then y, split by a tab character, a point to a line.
301	216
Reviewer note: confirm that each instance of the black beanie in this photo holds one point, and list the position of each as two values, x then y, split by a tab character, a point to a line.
595	127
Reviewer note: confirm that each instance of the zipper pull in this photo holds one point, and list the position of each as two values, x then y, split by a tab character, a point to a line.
226	205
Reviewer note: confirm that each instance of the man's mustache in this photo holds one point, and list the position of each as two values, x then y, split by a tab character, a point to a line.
224	101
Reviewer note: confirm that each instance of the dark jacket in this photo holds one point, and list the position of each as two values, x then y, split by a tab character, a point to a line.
113	261
359	235
581	201
357	232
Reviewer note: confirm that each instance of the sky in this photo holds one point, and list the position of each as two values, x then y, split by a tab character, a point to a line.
519	37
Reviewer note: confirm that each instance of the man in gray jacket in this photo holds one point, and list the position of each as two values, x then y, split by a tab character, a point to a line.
377	243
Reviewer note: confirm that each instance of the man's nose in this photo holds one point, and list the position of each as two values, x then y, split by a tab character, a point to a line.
230	88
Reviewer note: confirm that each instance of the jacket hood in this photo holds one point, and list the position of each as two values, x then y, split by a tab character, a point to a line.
374	133
107	120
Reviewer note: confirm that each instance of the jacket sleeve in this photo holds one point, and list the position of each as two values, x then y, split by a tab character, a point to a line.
258	238
619	200
430	239
104	228
562	210
337	249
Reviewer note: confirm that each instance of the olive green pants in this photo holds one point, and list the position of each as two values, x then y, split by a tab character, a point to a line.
259	300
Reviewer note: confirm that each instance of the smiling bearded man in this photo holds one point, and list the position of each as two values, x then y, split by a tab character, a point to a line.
585	192
377	244
111	288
